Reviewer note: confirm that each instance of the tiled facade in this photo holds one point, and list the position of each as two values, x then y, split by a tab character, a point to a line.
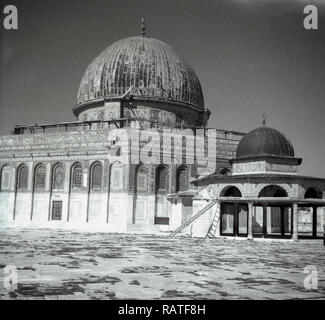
117	204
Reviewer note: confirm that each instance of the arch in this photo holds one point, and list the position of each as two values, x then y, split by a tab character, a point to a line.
116	176
22	177
182	178
5	177
313	193
231	191
288	190
96	176
234	215
76	176
273	191
57	176
39	176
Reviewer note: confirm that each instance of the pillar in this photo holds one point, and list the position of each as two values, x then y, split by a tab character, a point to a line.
295	222
250	221
315	221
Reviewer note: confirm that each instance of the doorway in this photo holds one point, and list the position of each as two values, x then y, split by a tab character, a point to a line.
57	210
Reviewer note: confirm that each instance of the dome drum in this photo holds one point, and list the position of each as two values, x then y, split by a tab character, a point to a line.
169	113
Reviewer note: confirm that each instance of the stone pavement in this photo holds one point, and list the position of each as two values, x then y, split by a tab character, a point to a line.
61	264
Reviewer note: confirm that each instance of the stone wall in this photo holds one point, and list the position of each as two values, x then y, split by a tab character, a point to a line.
117	210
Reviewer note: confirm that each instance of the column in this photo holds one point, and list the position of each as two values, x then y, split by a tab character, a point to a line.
14	189
265	220
31	178
250	221
314	221
295	222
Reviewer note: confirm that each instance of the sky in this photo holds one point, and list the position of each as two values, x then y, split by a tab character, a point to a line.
251	56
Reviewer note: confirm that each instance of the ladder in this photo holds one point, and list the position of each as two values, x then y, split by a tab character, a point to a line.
214	225
188	222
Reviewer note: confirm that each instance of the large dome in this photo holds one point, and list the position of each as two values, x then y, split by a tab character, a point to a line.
151	66
264	141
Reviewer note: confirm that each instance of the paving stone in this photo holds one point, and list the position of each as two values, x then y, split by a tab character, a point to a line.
153	267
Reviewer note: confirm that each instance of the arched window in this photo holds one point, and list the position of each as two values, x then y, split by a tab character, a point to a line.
96	176
116	177
22	177
5	177
182	179
58	177
142	179
162	180
76	178
39	177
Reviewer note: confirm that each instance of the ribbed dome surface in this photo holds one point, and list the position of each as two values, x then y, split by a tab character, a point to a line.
264	141
151	66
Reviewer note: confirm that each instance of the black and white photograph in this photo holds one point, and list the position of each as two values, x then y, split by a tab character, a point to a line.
162	150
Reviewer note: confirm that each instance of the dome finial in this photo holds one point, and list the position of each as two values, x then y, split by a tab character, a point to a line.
264	119
143	27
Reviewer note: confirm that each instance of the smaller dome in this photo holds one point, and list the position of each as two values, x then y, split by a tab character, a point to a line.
264	141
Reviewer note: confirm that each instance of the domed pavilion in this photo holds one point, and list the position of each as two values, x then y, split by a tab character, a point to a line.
264	196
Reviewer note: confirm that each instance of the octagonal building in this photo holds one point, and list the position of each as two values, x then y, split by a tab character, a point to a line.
90	173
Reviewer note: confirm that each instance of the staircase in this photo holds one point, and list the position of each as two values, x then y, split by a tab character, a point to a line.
196	216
